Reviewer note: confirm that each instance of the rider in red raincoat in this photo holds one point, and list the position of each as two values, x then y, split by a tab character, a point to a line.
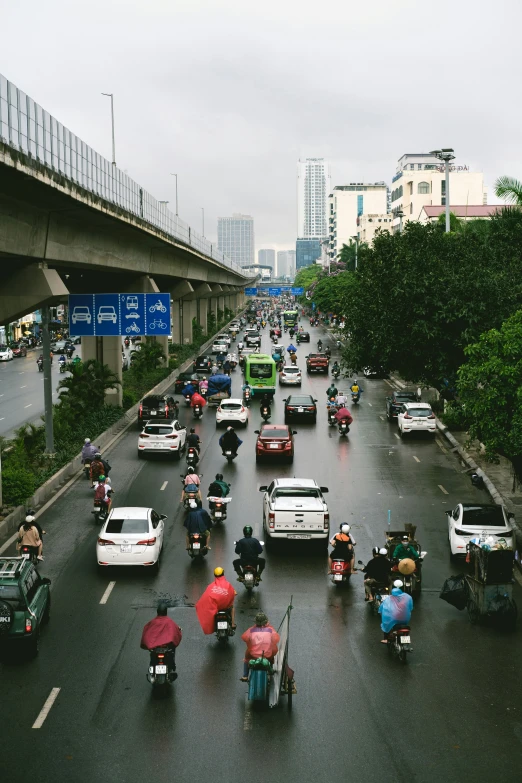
161	632
218	596
343	414
197	399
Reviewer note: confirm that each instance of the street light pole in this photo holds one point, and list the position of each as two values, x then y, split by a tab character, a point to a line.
111	96
47	381
175	175
203	219
446	154
356	249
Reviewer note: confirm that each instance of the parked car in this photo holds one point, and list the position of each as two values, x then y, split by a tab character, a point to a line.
416	417
275	440
317	362
231	410
468	520
300	406
396	399
25	604
131	536
290	376
295	508
203	364
162	437
6	354
59	346
19	349
157	407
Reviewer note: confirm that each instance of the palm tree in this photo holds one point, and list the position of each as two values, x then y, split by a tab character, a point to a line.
509	189
84	389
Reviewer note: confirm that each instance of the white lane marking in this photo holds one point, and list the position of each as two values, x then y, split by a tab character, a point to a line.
22	373
24	387
397	436
442	489
248	719
416	458
29	406
163	486
381	418
105	596
46	708
441	445
389	384
3	417
371	406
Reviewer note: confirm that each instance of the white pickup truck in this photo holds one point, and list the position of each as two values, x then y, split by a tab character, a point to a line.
295	508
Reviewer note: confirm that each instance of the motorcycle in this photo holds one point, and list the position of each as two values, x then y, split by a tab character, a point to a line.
30	552
197	411
341	571
343	428
379	591
223	625
187	400
217	508
355	397
328	352
338	343
336	374
126	342
192	457
230	455
331	417
265	412
162	668
319	346
204	392
246	397
63	367
197	546
39	362
250	575
100	512
412	581
189	496
87	469
399	642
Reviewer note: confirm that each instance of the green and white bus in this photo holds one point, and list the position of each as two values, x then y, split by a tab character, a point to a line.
260	373
290	318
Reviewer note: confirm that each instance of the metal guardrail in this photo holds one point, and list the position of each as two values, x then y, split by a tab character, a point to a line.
28	128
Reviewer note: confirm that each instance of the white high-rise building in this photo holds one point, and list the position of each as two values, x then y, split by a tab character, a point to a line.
286	263
313	187
266	257
347	204
236	238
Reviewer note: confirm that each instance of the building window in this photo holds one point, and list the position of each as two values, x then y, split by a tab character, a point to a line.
411	208
360	200
411	188
423	187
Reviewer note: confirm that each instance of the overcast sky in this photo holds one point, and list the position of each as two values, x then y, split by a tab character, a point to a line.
228	94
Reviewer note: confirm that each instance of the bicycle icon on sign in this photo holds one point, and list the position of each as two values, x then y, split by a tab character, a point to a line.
159	306
133	328
158	324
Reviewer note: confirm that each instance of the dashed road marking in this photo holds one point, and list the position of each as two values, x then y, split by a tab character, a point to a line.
416	458
29	406
441	445
397	436
442	489
24	387
163	486
3	417
248	719
371	406
381	418
46	708
105	596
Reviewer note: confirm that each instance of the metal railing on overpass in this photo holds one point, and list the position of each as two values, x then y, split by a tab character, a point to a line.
28	128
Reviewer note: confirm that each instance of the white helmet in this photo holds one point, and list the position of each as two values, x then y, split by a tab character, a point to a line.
398	583
345	529
29	518
384	551
87	440
193	504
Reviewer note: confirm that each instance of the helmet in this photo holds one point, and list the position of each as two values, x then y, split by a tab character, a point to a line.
221	571
192	430
29	518
383	551
219	477
405	538
101	478
247	530
162	608
230	429
204	378
261	619
87	440
345	529
192	503
97	454
398	583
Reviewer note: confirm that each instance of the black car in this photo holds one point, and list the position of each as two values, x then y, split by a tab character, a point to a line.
395	401
182	380
203	364
304	337
156	407
300	406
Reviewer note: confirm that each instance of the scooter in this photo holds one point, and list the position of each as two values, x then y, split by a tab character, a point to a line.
100	512
331	417
250	575
223	625
246	397
192	457
265	412
230	455
39	362
162	670
336	374
30	552
341	571
217	508
355	398
338	343
379	591
63	367
87	469
343	428
187	400
197	411
204	392
399	642
197	546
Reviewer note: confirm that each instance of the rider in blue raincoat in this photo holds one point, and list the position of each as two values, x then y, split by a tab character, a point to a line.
395	609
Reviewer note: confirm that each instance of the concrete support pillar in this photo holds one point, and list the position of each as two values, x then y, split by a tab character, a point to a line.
233	302
221	303
203	313
189	312
175	314
106	350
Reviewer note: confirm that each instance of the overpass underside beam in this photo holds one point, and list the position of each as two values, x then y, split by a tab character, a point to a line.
29	289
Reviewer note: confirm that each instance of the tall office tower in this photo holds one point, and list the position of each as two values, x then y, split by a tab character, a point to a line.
236	238
313	187
348	205
266	258
286	263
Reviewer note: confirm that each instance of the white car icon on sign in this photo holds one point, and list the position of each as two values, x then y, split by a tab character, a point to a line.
81	313
107	313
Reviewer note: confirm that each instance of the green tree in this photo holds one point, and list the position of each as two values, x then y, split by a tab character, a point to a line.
148	357
333	293
307	275
490	390
84	389
509	189
455	223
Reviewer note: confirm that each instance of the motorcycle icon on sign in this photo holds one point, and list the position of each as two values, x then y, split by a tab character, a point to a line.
158	324
133	328
159	306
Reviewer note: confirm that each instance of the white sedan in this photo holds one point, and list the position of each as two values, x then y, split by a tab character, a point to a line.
6	353
290	376
469	520
167	437
230	411
219	346
131	536
416	417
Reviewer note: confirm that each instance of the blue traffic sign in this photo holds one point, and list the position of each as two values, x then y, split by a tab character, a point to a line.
285	289
297	291
250	291
274	292
107	315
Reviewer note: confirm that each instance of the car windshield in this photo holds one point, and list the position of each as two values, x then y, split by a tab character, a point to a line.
296	492
405	396
298	400
3	347
419	412
231	406
157	430
269	434
291	370
152	402
483	516
127	526
261	370
13	596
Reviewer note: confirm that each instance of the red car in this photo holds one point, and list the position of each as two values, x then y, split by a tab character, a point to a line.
275	440
18	349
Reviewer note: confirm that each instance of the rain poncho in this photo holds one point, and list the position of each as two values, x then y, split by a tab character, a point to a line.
160	632
218	596
197	399
344	414
188	390
394	609
291	348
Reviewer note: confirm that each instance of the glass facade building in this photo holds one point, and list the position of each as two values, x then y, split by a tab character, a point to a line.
236	238
307	251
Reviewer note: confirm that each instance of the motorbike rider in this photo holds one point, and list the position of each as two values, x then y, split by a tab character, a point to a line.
189	389
343	544
218	488
332	390
218	597
240	346
203	384
291	349
261	640
191	483
102	493
62	359
30	519
198	521
194	440
343	414
197	399
376	572
395	609
319	345
336	368
248	548
161	631
230	441
227	366
265	403
355	389
405	549
89	451
97	469
28	535
341	400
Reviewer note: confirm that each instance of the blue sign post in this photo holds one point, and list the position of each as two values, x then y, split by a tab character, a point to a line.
274	292
107	315
297	291
250	291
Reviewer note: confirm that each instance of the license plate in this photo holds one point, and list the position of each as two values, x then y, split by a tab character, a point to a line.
300	535
153	413
338	577
222	626
126	548
161	669
228	453
300	410
196	546
218	514
273	446
405	640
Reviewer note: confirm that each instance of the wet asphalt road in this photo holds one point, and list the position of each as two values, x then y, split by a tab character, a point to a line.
452	714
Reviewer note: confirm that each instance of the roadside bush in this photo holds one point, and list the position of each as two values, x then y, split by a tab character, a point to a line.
454	417
18	484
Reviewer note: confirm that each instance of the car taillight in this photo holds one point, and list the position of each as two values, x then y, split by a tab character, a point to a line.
407	416
141	408
171	437
28	625
459	532
105	542
290	408
271	520
166	410
147	542
326	522
431	416
144	435
288	445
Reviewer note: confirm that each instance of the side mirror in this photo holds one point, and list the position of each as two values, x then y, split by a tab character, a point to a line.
450	511
324	489
294	432
163	516
263	489
315	400
423	554
46	581
256	432
360	562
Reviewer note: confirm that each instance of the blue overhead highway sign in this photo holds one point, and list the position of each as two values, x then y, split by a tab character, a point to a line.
274	292
297	291
250	291
106	315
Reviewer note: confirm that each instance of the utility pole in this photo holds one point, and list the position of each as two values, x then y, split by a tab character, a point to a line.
203	219
175	175
47	382
111	96
446	155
